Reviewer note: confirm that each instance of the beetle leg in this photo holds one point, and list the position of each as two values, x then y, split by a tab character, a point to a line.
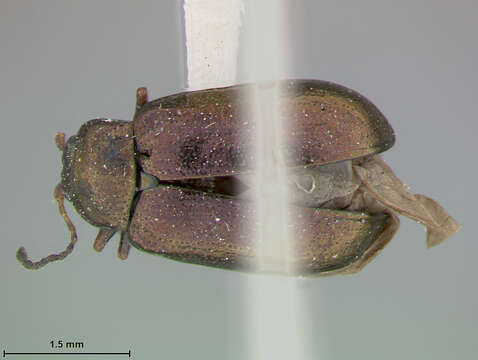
141	97
124	246
102	238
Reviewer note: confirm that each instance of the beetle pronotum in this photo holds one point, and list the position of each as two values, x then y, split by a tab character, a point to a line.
172	180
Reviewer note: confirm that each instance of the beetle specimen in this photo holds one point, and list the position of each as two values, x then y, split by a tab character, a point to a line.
172	181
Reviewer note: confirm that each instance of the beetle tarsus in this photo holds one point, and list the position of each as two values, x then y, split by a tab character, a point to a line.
34	265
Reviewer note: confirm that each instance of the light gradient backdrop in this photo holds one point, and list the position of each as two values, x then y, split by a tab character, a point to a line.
64	62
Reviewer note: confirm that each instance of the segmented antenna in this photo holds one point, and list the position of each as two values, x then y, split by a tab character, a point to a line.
22	255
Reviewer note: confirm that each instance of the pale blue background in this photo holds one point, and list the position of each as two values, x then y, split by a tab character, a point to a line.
64	62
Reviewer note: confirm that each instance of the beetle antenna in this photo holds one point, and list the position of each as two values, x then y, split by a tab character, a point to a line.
34	265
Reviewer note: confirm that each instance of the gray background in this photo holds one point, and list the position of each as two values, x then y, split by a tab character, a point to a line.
64	62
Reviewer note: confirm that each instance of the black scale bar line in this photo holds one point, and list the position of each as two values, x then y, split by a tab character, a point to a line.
66	353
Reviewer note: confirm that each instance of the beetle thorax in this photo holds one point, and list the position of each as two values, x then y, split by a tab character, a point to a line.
99	172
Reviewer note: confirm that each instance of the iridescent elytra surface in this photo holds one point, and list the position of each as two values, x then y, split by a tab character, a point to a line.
174	181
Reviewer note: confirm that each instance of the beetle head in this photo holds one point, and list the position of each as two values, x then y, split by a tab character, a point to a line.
99	178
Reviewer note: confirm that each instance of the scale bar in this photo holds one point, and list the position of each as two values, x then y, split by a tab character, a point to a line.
66	353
